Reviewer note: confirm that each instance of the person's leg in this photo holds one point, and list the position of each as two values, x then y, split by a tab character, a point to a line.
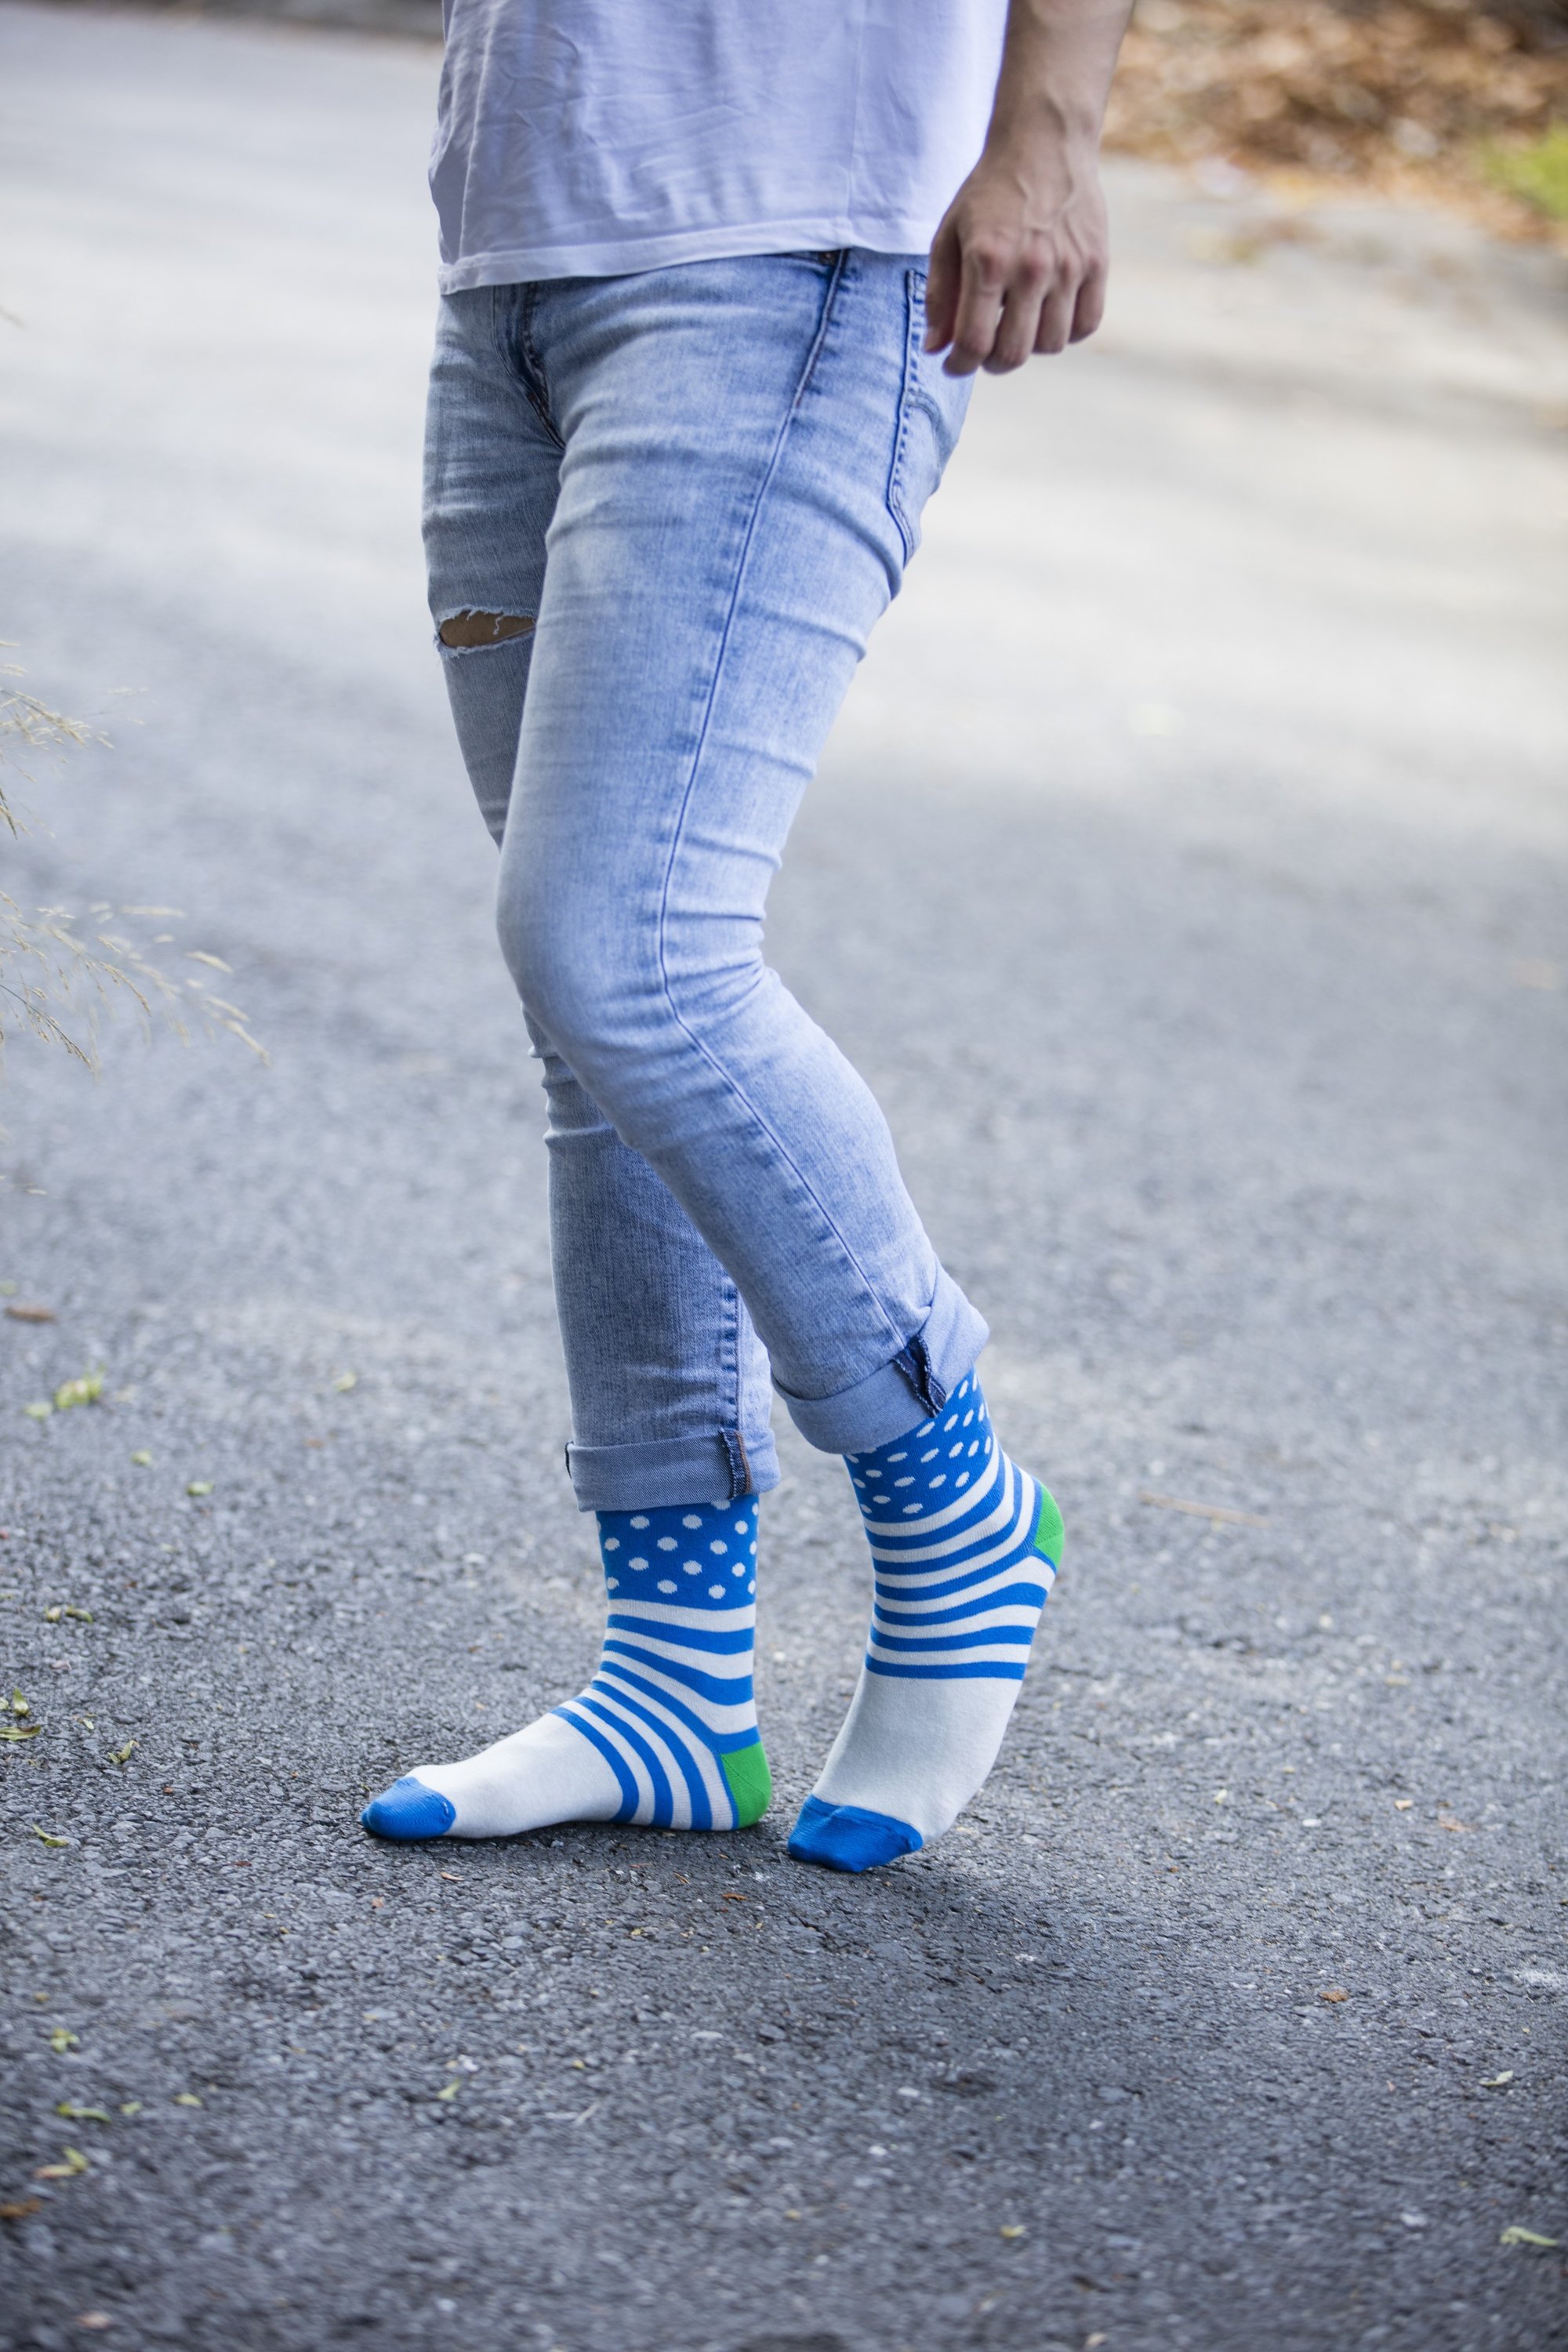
747	449
668	1381
746	445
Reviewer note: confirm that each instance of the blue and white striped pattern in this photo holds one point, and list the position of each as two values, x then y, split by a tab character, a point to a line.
966	1547
671	1708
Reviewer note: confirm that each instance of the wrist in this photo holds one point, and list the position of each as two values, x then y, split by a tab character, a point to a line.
1026	121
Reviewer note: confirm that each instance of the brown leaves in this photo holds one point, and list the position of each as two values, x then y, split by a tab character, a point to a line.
22	1310
1327	88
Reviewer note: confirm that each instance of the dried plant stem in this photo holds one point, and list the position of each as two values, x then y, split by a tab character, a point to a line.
57	984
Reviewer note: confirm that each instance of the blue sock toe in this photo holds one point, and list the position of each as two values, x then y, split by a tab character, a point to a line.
409	1809
845	1837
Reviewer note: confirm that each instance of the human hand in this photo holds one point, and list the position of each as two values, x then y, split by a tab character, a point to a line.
1018	263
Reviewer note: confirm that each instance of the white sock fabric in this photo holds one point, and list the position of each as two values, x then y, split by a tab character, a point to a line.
665	1735
966	1547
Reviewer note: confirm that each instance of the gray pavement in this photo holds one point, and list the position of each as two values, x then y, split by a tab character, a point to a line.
1187	876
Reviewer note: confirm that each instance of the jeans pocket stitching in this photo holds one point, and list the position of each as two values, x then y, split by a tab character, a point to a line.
913	400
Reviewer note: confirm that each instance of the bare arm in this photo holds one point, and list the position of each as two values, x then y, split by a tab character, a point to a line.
1018	263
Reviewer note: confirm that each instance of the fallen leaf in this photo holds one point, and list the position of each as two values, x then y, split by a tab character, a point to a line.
86	1388
451	2089
1447	1821
75	2114
1092	2343
47	1839
1335	1992
22	1310
39	1409
53	1616
132	2107
18	1704
345	1381
200	1486
449	1874
122	1755
186	2099
1013	2230
20	1730
21	2208
62	2039
93	2319
1402	1805
1496	2081
75	2162
142	1459
1515	2236
84	1615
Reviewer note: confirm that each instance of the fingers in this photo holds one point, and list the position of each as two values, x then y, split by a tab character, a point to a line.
1016	336
1089	308
943	276
979	312
994	315
1056	316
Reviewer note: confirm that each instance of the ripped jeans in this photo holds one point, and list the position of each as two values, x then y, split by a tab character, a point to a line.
663	512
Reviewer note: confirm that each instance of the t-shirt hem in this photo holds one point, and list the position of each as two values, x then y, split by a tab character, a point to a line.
522	264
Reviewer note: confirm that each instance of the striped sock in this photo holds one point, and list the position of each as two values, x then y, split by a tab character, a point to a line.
665	1734
966	1547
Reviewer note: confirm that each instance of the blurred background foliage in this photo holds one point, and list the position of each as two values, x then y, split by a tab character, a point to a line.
1436	98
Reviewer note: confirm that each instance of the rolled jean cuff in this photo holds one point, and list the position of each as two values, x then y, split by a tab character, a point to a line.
670	1470
899	1395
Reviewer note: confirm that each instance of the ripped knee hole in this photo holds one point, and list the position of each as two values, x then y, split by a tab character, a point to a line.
466	629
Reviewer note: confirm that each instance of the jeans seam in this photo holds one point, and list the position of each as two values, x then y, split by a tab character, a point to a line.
530	377
724	1076
912	399
730	1360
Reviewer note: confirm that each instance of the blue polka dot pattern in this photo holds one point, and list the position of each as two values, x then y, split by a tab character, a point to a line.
671	1708
966	1547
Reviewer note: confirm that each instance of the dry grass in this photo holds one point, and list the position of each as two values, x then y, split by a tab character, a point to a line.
61	977
1425	98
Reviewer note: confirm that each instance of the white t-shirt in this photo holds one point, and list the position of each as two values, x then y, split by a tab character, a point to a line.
585	138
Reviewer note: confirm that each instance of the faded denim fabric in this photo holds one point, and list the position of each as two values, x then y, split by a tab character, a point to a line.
703	483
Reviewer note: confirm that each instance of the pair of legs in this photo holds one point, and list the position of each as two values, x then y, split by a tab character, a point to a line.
663	514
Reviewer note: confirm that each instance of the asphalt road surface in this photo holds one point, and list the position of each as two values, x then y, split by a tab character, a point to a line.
1187	876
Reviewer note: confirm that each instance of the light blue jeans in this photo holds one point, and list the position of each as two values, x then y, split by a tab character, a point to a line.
702	484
